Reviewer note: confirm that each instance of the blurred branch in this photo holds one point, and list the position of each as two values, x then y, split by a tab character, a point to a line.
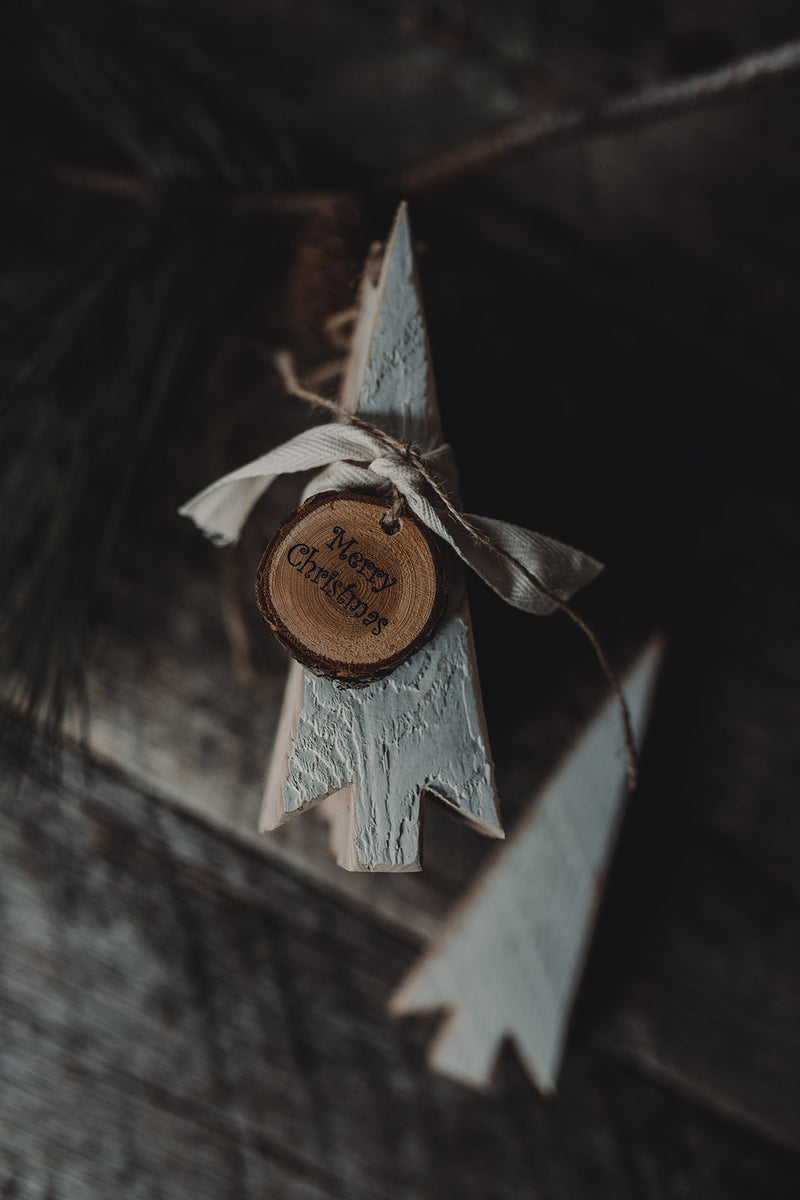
134	187
555	127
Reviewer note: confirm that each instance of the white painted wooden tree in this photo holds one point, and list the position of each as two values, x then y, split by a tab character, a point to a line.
508	961
374	751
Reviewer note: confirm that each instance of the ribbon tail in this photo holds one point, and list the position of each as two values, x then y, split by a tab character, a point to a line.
222	508
561	569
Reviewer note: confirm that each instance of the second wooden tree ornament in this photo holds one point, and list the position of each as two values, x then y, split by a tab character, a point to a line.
372	751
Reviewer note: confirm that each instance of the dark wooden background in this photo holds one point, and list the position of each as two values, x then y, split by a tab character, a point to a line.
186	1012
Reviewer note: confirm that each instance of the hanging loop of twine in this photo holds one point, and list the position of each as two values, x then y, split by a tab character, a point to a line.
410	455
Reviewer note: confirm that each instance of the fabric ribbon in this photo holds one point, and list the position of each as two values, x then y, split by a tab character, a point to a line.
502	554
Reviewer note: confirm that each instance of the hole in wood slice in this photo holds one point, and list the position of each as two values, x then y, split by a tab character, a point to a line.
347	599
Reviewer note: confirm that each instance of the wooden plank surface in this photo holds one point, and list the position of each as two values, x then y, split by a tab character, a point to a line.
182	1018
166	1030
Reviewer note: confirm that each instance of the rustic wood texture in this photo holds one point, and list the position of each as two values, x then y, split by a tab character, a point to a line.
168	1032
336	546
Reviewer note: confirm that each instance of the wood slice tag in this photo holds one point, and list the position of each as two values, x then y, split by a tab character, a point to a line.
347	599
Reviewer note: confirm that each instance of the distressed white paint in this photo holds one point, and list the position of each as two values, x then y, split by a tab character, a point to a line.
373	751
509	959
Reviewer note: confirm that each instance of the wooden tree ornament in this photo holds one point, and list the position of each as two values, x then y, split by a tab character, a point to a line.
373	752
508	961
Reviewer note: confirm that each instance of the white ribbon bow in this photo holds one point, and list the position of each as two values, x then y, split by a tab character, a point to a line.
357	457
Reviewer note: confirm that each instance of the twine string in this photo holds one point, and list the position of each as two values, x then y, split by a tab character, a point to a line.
284	363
